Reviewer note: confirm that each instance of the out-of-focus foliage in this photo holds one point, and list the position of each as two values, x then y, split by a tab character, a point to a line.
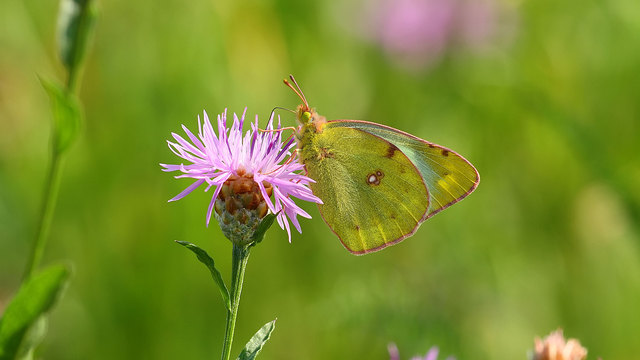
545	105
20	324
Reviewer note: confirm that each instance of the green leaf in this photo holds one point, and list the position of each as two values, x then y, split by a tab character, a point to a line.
265	224
35	298
66	116
76	20
33	338
258	340
215	274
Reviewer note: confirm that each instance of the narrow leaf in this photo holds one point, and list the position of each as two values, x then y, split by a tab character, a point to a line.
34	337
76	19
265	224
66	116
215	274
35	297
258	340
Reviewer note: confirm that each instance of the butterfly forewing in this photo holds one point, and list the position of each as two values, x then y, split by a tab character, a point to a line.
448	176
373	195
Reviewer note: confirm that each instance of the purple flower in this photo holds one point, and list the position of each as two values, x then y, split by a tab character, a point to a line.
416	34
432	354
256	161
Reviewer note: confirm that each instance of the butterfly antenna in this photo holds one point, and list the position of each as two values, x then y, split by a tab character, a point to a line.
280	108
273	111
298	91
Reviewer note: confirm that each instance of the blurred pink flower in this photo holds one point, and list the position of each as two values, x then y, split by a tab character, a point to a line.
414	31
555	347
432	354
257	160
417	33
477	23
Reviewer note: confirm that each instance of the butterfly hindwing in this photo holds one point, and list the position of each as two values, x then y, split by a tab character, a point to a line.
448	176
372	193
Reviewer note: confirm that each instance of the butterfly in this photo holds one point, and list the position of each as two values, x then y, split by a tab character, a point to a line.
377	183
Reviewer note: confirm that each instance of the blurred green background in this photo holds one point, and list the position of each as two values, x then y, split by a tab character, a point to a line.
544	101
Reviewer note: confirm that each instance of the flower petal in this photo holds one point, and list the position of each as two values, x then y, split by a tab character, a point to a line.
187	191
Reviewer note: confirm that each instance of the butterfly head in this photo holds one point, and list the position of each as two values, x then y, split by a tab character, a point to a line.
303	114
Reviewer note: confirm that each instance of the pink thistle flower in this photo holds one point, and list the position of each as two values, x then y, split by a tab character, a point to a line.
555	347
417	34
432	354
252	167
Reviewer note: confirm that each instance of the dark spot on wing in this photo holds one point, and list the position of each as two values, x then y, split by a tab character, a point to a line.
357	227
393	216
431	146
390	151
374	178
445	152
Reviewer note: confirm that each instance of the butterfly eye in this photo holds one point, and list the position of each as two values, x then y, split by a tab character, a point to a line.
306	116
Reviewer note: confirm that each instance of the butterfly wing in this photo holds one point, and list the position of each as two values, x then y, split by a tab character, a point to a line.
448	176
373	195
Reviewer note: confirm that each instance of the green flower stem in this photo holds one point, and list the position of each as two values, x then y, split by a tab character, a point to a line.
72	80
240	257
46	214
50	193
51	190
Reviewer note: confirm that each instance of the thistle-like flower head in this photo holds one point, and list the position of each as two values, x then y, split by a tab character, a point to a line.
555	347
251	172
432	354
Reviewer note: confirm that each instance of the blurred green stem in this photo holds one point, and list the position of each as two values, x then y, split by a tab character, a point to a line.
50	192
240	256
51	187
46	214
72	80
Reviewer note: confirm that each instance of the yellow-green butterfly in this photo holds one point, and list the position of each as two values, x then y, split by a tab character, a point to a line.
377	184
